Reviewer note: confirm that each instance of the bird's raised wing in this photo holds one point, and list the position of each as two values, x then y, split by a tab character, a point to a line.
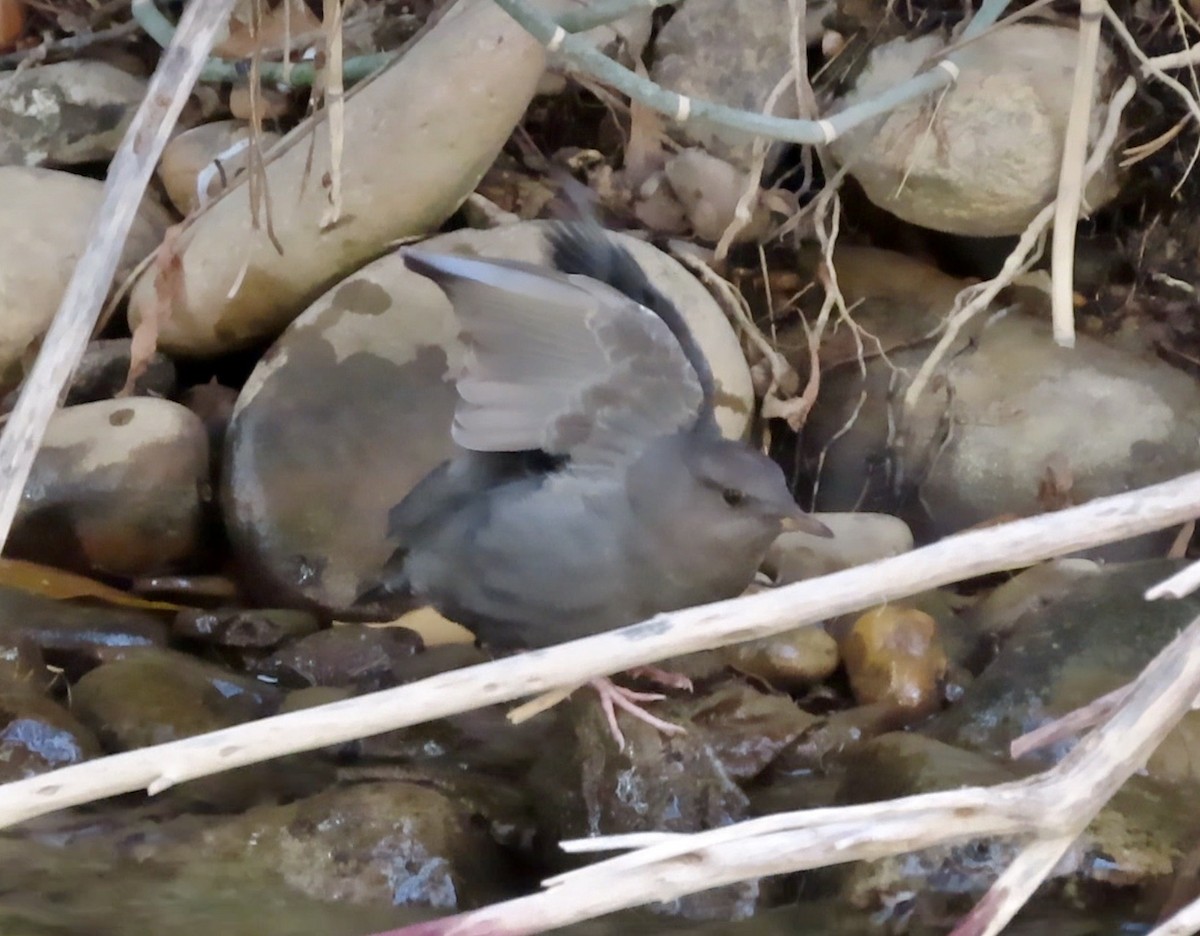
562	363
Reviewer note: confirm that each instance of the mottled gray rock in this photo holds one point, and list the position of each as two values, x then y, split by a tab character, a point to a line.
69	112
984	157
396	843
119	486
734	54
1012	424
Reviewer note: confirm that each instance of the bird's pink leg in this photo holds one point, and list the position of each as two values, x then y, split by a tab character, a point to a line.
613	697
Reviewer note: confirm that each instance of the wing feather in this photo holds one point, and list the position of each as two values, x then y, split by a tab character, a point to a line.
561	363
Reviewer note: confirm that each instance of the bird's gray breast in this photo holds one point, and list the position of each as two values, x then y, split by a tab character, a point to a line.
534	563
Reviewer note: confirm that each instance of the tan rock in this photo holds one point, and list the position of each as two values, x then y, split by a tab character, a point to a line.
417	139
47	218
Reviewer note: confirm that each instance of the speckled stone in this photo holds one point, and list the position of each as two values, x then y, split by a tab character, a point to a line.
119	486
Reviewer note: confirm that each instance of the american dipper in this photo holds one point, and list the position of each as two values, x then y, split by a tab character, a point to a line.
594	489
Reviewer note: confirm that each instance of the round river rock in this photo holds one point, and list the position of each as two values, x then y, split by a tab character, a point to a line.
353	406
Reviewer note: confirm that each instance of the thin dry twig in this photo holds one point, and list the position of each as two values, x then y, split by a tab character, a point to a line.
75	43
974	299
779	398
1179	585
1071	174
1002	547
335	103
1016	884
1075	721
128	175
1052	807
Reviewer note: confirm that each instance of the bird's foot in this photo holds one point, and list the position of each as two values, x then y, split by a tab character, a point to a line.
666	678
613	697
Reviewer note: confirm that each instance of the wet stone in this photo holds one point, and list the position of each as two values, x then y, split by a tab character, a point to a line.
893	655
372	843
119	486
675	783
160	696
481	742
1132	841
347	655
21	662
258	628
37	735
1094	639
94	887
77	637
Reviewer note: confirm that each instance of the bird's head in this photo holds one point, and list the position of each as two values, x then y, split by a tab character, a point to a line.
744	486
727	493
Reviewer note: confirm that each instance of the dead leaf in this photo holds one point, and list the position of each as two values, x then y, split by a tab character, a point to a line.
1054	488
289	26
12	22
55	583
168	290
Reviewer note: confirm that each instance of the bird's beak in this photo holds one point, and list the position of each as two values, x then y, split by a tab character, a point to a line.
798	521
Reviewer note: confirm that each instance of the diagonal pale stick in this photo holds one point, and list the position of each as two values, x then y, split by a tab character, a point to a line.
81	303
1008	546
1051	807
1071	177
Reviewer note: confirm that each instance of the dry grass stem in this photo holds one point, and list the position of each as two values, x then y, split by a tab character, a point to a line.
1080	719
334	87
779	396
1071	175
81	304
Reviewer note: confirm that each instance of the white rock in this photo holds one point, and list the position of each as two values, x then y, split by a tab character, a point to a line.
200	163
858	538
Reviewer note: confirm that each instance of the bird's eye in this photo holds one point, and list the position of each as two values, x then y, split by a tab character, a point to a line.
732	496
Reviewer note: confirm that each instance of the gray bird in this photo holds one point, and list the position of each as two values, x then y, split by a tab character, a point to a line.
594	488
